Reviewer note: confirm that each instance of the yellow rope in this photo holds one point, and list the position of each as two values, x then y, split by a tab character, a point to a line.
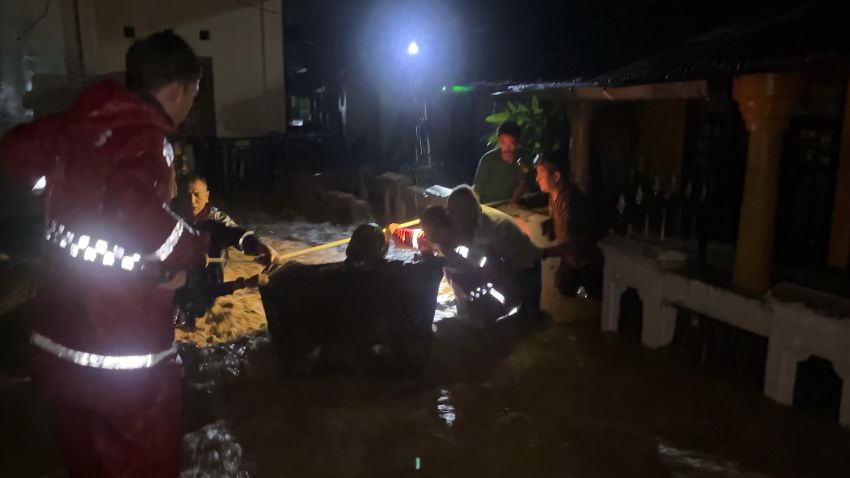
289	255
300	252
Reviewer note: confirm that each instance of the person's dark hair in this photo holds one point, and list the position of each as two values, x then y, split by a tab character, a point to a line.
158	60
436	216
464	192
196	177
465	195
510	128
554	162
367	242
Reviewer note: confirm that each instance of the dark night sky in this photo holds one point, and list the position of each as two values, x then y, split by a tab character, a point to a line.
477	40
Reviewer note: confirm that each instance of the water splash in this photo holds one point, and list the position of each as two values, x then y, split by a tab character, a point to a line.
445	409
213	452
206	367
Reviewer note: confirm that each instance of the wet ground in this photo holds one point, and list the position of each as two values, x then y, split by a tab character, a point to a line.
513	399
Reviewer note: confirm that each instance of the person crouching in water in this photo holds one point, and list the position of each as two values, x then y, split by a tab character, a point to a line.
575	230
469	273
368	245
495	235
205	283
493	260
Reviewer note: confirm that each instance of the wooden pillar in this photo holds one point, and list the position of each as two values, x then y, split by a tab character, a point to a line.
839	238
767	102
580	115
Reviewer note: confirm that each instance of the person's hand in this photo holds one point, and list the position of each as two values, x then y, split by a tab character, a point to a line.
258	280
392	228
267	254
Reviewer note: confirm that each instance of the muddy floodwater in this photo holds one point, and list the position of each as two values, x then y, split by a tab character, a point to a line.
559	399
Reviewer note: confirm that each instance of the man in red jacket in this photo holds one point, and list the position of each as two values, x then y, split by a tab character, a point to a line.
102	338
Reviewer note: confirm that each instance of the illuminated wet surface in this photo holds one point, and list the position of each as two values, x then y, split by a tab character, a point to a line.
513	399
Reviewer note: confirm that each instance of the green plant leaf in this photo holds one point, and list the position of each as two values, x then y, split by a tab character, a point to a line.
535	105
497	118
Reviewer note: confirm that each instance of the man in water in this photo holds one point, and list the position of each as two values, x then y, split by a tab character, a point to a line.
205	283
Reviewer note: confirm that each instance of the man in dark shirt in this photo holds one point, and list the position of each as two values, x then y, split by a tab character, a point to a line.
204	284
499	176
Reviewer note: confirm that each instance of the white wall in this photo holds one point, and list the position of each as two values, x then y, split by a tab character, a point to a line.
32	56
246	47
35	60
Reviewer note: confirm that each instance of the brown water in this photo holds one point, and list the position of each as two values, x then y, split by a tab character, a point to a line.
514	399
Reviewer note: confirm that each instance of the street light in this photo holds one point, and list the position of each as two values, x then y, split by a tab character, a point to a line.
412	49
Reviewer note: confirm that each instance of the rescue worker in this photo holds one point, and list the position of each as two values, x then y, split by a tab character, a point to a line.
205	283
484	285
575	230
102	337
499	176
494	234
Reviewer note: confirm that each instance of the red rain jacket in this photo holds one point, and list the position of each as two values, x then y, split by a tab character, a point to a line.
107	163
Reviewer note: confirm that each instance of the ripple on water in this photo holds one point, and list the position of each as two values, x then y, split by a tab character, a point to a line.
694	464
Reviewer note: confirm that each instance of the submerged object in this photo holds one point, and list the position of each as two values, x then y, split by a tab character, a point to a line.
372	317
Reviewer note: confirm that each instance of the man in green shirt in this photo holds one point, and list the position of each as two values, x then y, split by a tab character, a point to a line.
499	177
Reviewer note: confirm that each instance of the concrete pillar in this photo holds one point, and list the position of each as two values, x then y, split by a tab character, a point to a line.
581	115
839	239
767	102
659	318
612	291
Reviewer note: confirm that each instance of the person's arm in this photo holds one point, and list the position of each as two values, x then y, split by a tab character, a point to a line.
481	175
457	262
518	191
240	238
514	246
562	246
222	217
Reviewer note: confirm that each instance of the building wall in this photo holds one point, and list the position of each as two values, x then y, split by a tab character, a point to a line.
245	45
36	62
33	56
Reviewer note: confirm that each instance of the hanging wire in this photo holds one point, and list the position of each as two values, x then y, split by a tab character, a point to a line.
38	20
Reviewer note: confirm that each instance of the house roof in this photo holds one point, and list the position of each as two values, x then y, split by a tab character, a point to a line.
806	35
791	39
